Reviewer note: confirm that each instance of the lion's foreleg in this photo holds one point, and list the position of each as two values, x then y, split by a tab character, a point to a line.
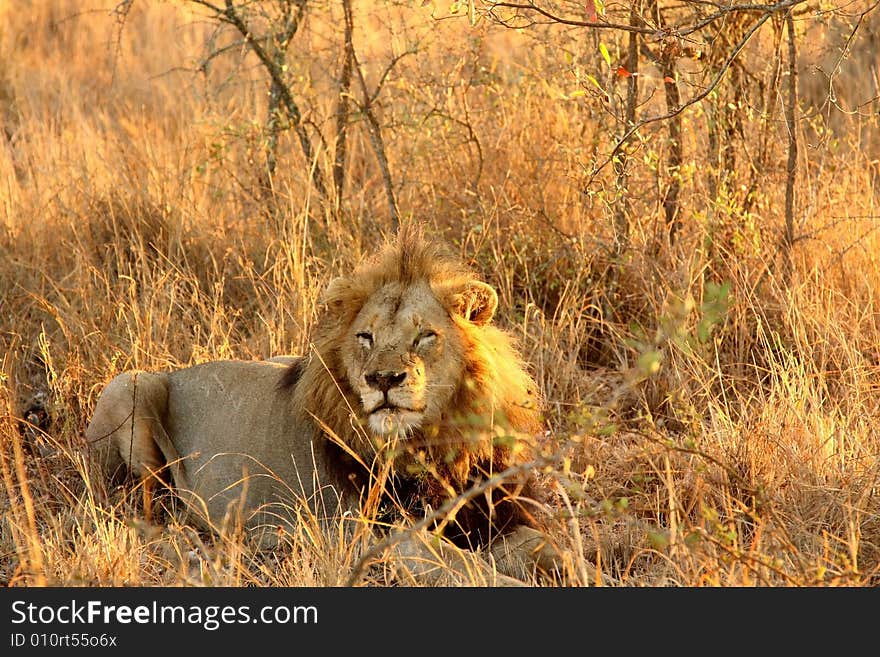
525	551
425	559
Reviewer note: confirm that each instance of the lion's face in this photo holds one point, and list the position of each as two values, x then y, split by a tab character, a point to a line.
403	359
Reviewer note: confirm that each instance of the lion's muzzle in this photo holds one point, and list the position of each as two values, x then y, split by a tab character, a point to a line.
385	380
393	400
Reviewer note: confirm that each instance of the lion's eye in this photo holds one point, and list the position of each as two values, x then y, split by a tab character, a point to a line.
425	338
366	339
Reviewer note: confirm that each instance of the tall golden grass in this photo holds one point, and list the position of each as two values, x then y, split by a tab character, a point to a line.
707	439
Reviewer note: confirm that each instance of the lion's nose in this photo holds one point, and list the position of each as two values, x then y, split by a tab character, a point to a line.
385	380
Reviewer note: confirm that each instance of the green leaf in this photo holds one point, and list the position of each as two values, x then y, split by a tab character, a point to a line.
605	54
594	81
658	540
649	362
704	331
607	430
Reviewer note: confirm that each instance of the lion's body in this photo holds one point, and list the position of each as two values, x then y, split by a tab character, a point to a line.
405	366
230	437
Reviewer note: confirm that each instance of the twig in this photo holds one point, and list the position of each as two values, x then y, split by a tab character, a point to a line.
387	72
120	12
844	52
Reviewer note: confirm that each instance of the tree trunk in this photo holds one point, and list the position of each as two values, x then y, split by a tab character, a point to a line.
791	170
343	104
621	210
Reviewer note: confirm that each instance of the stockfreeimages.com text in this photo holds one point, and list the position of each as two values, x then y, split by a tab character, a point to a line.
211	617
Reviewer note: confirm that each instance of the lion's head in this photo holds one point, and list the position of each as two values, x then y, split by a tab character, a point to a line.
407	340
404	354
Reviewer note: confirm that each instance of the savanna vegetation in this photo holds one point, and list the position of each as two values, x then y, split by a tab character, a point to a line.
677	202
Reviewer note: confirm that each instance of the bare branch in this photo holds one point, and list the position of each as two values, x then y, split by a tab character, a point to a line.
387	71
654	31
120	12
279	43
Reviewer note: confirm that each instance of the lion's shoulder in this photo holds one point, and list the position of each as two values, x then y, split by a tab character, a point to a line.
294	368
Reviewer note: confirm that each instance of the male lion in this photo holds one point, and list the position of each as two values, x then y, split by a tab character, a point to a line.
406	377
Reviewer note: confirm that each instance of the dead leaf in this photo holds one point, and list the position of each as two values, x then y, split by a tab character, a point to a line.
592	12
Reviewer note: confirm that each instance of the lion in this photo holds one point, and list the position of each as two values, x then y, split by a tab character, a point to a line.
406	376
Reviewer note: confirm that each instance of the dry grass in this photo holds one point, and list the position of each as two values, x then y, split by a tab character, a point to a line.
133	234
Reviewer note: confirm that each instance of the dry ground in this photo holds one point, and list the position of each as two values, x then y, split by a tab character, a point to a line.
718	423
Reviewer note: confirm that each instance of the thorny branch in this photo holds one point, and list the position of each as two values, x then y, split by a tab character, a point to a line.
691	101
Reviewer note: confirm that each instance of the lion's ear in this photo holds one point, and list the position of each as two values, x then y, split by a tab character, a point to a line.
477	303
336	291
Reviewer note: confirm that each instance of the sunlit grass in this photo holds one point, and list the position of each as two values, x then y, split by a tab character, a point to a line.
720	445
